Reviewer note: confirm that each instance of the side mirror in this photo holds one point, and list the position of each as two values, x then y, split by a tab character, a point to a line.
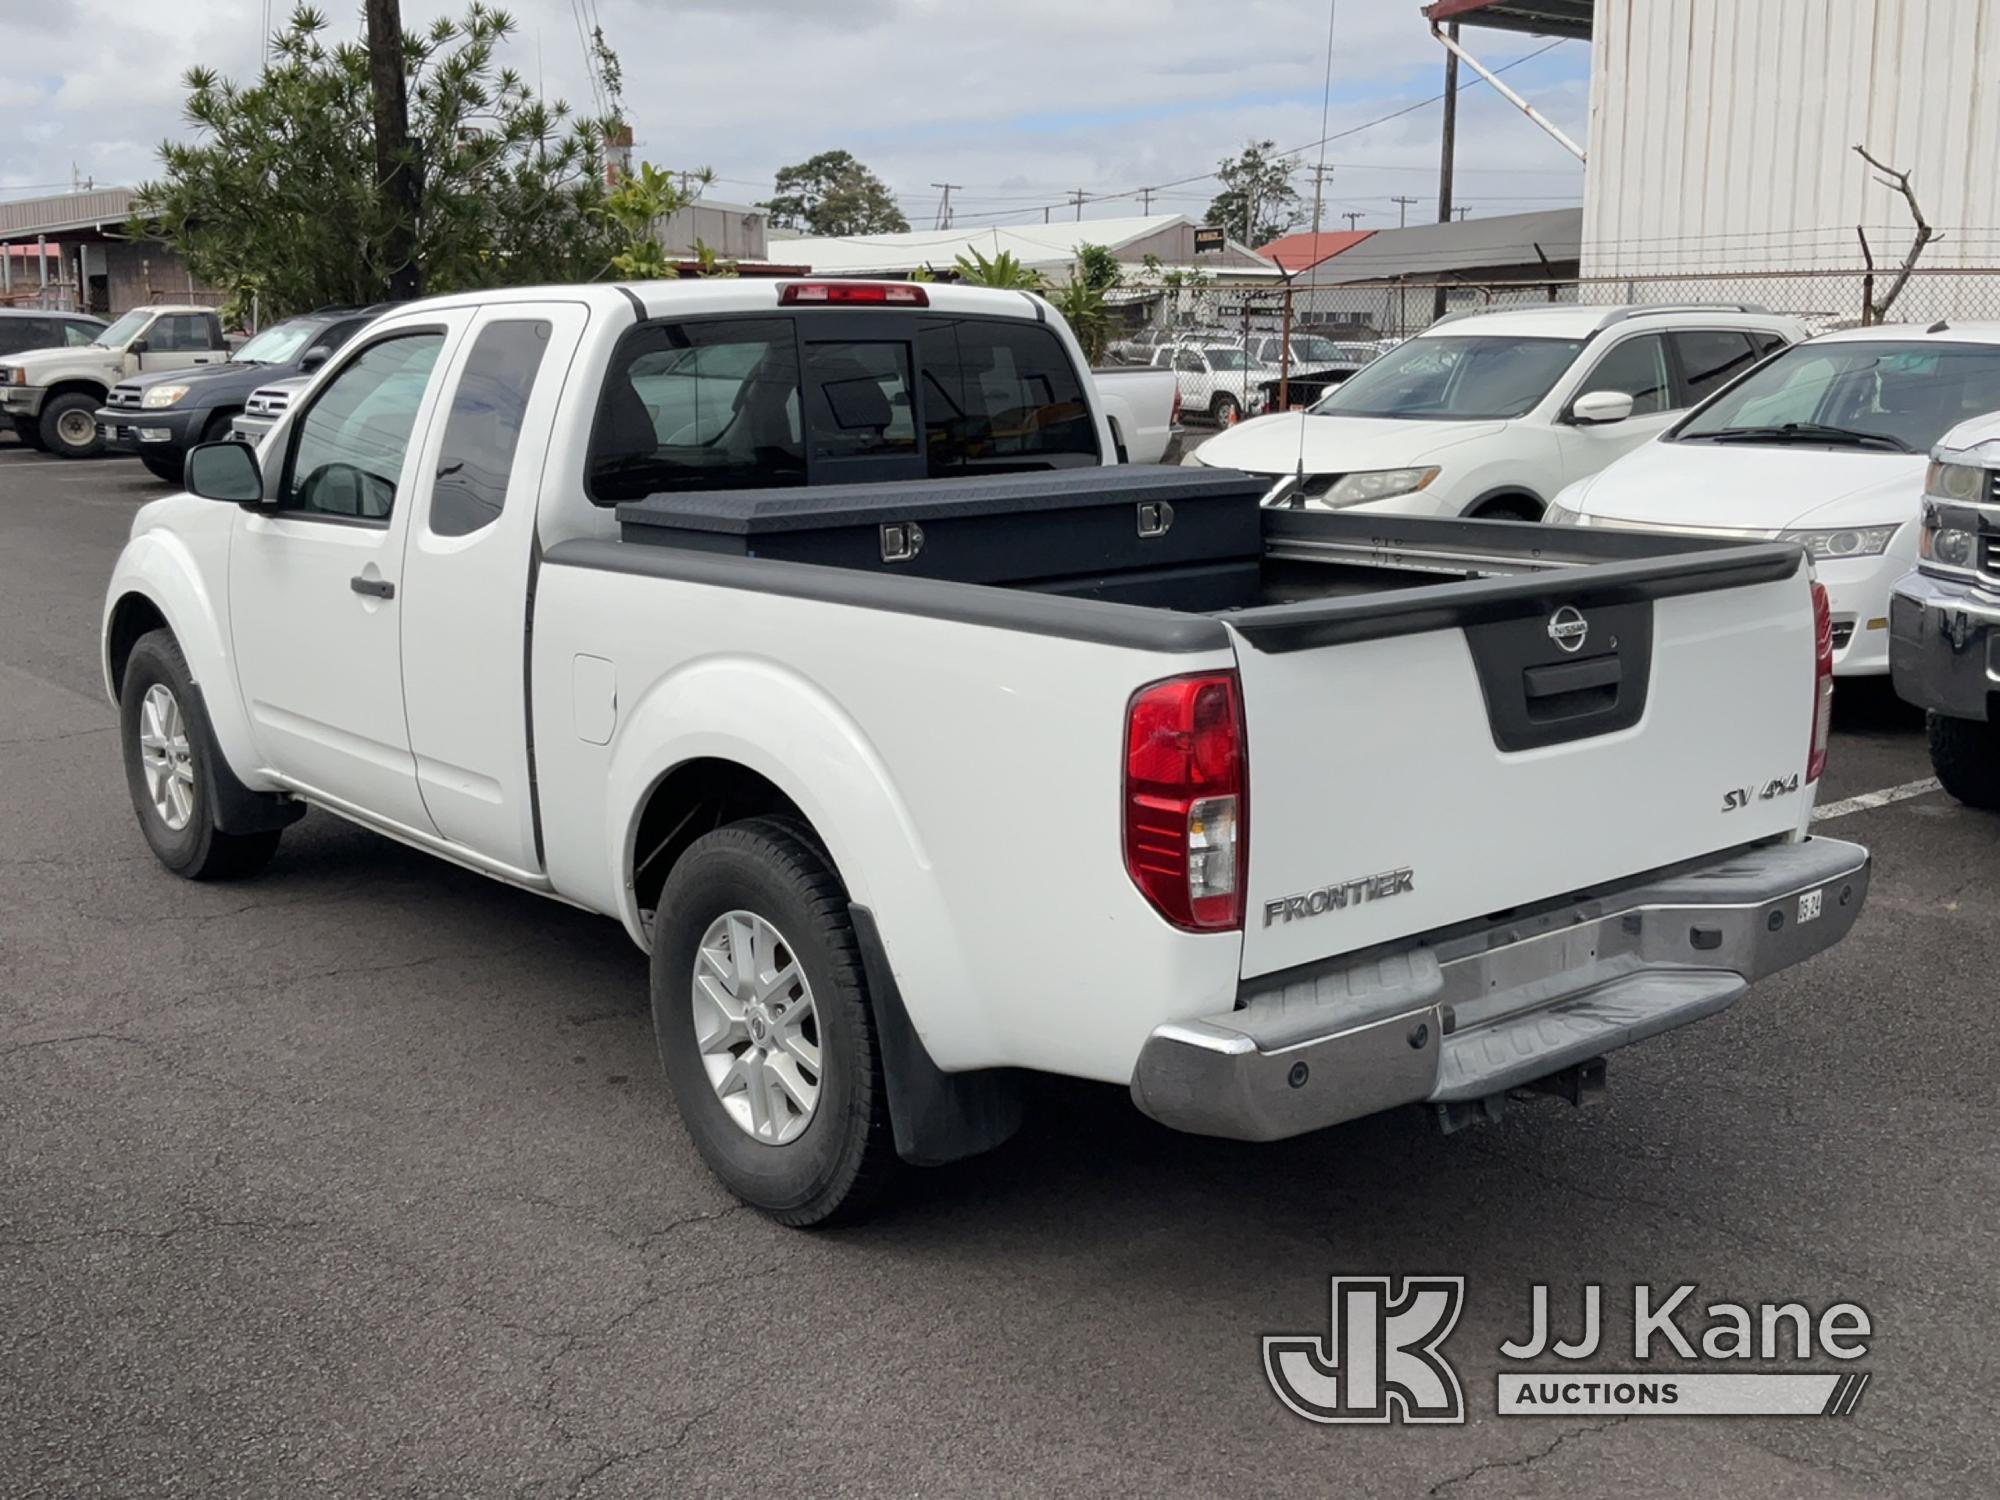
1600	408
137	346
314	357
224	471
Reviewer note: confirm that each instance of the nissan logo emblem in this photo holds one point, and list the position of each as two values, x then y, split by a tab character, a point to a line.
1568	629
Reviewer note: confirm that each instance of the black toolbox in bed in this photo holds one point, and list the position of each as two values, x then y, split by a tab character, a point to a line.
1124	532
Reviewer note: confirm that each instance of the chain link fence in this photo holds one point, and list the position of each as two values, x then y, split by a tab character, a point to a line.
1242	349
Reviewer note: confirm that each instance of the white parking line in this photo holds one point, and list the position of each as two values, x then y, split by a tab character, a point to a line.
1882	798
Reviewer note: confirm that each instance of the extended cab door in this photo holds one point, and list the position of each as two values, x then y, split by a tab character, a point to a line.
315	601
468	577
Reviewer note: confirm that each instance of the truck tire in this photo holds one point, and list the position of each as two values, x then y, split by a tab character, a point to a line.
170	764
28	431
1225	409
63	423
765	1030
1966	756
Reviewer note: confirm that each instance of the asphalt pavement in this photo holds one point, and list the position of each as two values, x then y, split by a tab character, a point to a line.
359	1179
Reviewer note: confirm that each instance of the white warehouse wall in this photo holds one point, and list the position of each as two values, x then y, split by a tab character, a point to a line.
1722	133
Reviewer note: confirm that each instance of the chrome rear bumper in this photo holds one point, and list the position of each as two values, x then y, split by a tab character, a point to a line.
1473	1014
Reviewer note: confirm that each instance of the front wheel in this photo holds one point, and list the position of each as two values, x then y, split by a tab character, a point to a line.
1226	410
764	1026
1966	756
170	765
69	425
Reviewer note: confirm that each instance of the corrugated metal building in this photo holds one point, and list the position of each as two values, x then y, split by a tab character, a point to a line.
1722	133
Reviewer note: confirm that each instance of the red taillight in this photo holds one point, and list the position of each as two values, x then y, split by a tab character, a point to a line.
851	293
1174	418
1187	808
1822	723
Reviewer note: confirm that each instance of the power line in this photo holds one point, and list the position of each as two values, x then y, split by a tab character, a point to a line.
1325	102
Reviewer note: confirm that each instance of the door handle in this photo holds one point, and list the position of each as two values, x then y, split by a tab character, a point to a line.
380	588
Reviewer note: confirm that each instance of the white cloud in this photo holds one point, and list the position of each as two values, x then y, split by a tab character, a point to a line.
1022	101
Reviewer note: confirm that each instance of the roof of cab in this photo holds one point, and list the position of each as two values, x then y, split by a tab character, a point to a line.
737	294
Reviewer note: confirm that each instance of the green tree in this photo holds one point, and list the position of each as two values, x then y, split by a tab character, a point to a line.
1257	202
832	193
1082	300
277	195
1003	270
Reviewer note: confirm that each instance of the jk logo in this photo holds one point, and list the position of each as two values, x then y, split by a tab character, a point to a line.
1381	1363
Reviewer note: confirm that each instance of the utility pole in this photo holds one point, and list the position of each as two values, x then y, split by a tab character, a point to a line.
1145	201
1077	198
944	204
1461	212
1446	148
1402	210
1320	174
395	177
1353	214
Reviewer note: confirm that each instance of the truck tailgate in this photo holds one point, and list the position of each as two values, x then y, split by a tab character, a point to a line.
1448	753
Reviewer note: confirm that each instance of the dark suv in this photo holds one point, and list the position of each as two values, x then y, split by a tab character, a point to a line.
159	417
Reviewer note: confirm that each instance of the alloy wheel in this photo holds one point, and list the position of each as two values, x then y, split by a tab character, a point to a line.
757	1027
166	757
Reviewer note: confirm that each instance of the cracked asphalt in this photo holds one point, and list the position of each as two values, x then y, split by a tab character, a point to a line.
358	1179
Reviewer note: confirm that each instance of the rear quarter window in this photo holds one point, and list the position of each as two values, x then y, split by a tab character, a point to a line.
1001	396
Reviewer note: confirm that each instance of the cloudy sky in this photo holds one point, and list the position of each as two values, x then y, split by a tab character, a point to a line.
1020	101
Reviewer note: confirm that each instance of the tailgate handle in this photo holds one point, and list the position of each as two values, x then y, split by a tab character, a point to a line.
1572	677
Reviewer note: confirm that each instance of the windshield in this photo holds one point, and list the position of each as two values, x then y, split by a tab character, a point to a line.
120	333
1906	394
279	344
1453	378
1314	351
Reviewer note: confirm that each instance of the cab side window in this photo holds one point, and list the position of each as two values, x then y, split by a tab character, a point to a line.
1638	367
347	451
484	428
178	333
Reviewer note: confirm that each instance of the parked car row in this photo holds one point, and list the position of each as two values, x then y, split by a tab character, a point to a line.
152	384
1876	449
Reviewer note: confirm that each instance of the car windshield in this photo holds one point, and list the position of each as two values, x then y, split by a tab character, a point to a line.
1891	394
1462	377
279	344
1315	351
120	333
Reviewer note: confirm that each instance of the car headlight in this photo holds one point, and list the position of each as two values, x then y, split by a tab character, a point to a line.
17	376
1944	545
1846	541
1960	482
1557	515
1375	484
158	396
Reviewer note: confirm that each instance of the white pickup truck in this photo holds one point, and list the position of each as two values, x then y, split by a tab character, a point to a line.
1276	818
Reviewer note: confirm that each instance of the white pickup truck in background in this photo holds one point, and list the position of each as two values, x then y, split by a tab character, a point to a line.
982	757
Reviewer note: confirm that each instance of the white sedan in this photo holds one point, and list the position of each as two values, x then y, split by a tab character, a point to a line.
1824	445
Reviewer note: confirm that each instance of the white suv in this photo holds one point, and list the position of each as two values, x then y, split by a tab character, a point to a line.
1491	414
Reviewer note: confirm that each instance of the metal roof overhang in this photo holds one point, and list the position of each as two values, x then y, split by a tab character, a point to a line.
1564	18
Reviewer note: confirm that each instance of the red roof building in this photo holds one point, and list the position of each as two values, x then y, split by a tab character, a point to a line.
1299	252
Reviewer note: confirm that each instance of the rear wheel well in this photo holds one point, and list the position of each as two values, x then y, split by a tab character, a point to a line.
695	798
132	617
